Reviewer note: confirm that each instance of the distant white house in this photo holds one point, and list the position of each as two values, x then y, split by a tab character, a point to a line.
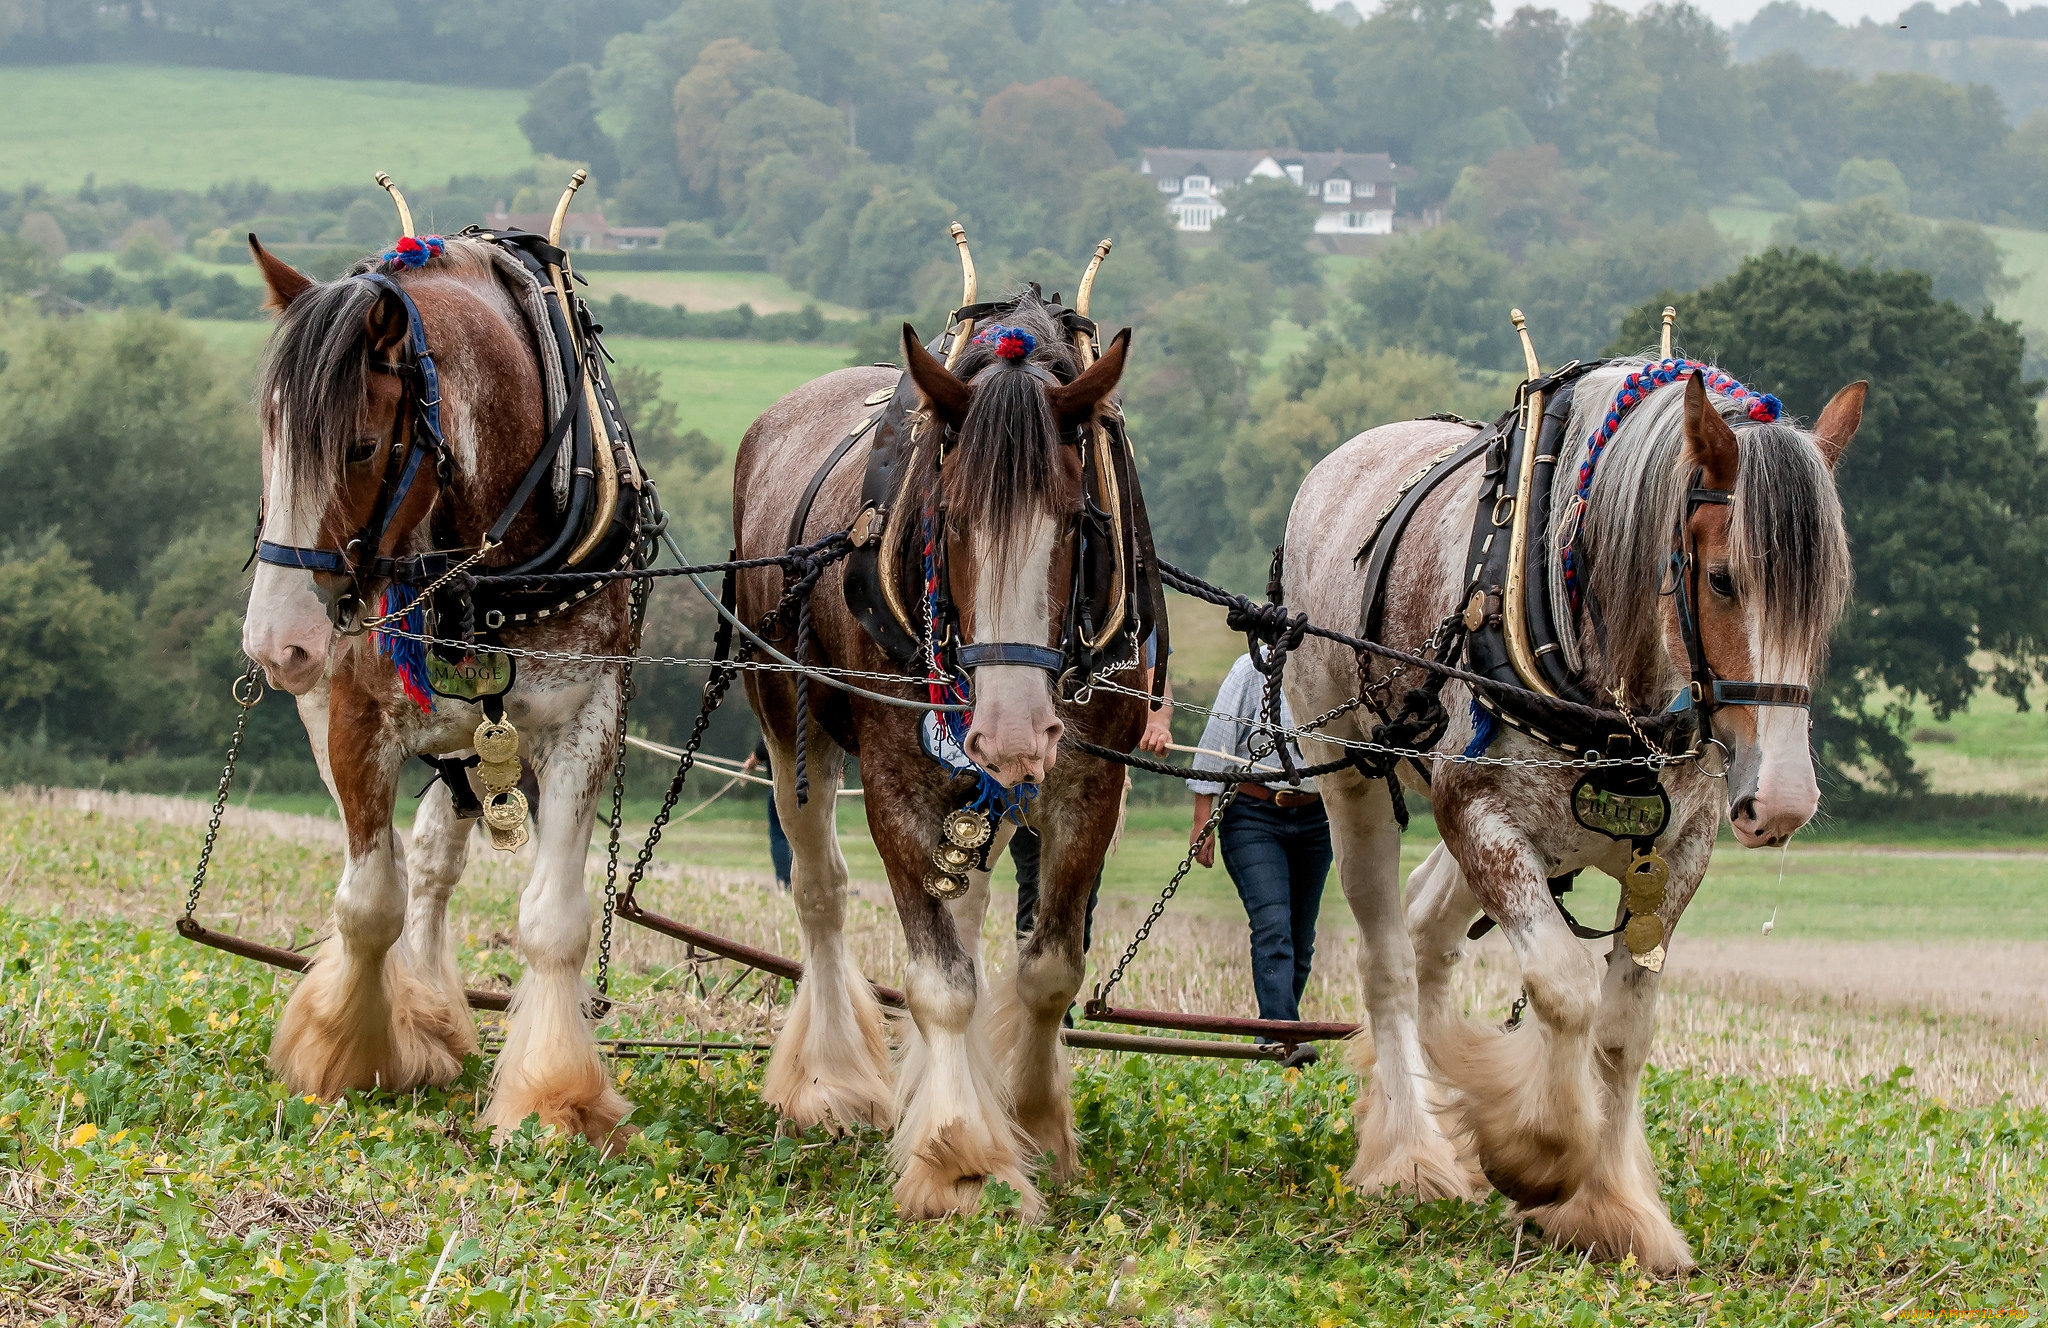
1354	191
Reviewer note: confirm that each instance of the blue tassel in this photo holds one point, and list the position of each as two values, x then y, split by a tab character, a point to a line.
1008	803
407	655
1482	732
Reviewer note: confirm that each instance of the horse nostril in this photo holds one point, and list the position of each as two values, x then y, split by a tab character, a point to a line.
1743	810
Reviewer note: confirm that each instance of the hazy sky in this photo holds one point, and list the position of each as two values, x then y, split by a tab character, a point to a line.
1724	12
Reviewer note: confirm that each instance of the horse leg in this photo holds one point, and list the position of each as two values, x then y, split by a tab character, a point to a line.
953	1126
439	851
1616	1208
1032	999
1529	1097
363	1017
550	1066
1401	1140
831	1061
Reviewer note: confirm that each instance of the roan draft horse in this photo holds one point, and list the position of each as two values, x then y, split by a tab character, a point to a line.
1686	537
992	473
366	463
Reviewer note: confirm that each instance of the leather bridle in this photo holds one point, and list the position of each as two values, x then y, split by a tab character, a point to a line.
1705	693
361	558
1073	655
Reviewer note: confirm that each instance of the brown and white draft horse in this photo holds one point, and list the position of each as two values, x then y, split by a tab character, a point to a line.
383	1005
980	1084
1548	1112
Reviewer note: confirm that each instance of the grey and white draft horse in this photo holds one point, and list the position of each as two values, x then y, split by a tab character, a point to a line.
1548	1112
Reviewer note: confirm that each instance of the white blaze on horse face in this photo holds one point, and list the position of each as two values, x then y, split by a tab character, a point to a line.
1015	735
286	630
1786	794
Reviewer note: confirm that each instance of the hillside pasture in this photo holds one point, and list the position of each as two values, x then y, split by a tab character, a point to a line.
174	127
150	1165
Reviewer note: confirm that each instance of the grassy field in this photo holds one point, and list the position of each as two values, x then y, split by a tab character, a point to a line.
174	127
150	1166
722	385
707	292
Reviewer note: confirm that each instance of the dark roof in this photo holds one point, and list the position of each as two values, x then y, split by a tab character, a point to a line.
1238	163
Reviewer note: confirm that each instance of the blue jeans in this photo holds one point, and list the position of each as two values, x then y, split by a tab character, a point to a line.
1278	857
778	844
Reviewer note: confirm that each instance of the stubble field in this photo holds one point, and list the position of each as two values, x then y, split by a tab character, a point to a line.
151	1169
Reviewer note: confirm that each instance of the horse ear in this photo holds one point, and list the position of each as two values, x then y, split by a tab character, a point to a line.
386	324
1077	400
1709	442
286	282
1838	423
948	395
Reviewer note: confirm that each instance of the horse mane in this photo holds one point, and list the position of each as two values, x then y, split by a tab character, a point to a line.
1789	552
1005	459
313	386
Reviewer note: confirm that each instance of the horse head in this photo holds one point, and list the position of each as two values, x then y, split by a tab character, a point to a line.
1773	574
1716	510
352	465
1006	504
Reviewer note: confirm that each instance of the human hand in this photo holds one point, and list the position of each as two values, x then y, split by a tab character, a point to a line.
1158	733
1205	852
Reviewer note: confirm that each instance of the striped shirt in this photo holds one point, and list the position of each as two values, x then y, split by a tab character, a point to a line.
1239	703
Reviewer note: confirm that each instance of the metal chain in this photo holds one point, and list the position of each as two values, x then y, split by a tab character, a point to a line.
611	857
1100	999
251	683
423	596
1654	761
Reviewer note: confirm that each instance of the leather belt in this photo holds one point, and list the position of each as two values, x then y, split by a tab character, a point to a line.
1282	798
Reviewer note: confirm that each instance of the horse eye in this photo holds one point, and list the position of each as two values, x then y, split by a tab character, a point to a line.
1720	582
361	450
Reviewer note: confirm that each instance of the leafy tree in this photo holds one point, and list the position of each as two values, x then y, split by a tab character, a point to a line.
118	434
1966	264
1046	137
1576	295
1520	198
771	121
1867	177
1127	208
726	74
1940	135
1441	291
65	646
1271	222
1799	119
901	228
561	121
1532	45
1327	395
1945	489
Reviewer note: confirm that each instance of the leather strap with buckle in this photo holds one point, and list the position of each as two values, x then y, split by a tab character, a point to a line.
1281	798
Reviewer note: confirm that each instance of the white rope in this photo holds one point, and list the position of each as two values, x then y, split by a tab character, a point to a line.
723	765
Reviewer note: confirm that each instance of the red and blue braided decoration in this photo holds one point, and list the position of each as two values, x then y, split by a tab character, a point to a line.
407	654
1011	343
1763	408
415	250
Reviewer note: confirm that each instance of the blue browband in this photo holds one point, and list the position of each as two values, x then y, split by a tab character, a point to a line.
426	438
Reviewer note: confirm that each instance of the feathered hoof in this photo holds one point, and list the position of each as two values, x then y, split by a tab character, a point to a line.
949	1170
835	1106
335	1036
1607	1225
598	1116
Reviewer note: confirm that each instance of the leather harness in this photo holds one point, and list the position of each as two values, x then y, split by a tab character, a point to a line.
882	591
1483	600
464	611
